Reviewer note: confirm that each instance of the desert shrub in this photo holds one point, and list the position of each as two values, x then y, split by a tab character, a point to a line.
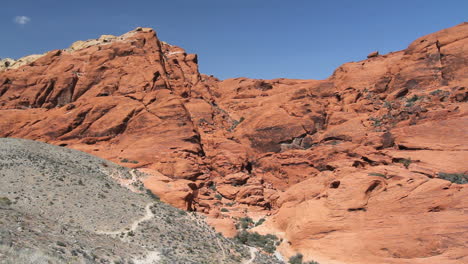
152	195
182	212
377	121
405	162
334	142
260	221
436	92
410	101
224	210
5	201
266	242
297	259
377	174
414	98
459	178
218	196
387	104
128	161
245	223
235	123
202	120
213	187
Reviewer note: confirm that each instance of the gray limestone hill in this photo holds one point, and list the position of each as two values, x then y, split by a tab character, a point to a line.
59	205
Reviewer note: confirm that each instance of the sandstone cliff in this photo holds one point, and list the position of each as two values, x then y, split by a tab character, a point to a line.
366	166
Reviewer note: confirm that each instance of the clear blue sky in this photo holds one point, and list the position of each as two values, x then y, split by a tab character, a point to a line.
252	38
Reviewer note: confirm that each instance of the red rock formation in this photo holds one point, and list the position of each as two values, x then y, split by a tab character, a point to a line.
347	167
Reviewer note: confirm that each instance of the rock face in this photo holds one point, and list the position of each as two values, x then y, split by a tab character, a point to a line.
363	167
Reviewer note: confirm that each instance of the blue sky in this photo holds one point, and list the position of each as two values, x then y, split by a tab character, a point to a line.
250	38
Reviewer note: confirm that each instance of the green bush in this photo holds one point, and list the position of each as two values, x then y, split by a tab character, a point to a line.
260	221
235	123
213	187
377	121
377	174
5	201
405	162
297	259
414	98
224	210
129	161
436	92
266	242
387	104
459	178
152	195
182	212
245	223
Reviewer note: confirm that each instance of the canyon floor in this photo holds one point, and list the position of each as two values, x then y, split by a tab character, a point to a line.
366	166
